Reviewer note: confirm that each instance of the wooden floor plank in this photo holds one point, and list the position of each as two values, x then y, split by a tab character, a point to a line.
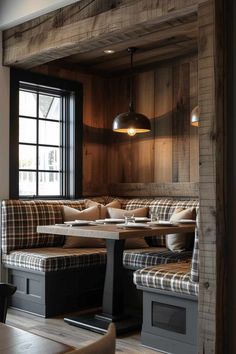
55	328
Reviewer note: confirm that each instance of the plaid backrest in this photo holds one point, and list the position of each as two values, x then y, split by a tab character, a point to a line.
164	207
194	274
20	219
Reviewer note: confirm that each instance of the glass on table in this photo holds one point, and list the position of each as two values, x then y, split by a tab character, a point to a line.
154	216
129	218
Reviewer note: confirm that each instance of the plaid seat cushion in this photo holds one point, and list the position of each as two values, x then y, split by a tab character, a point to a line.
173	277
142	258
20	219
53	258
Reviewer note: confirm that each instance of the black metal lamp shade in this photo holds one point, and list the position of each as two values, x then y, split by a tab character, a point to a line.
131	123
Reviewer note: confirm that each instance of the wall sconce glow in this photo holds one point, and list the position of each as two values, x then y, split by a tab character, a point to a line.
109	51
195	117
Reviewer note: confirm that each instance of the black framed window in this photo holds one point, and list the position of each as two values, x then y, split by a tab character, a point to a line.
45	137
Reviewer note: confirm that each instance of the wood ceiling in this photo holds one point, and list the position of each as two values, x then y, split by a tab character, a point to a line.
78	35
154	44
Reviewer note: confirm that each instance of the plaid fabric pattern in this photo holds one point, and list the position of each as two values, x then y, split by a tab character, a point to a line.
53	259
20	219
173	277
142	258
195	259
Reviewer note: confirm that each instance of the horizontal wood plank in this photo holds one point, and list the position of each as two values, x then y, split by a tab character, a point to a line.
188	189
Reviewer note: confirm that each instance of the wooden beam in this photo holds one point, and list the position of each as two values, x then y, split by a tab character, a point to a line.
188	189
62	33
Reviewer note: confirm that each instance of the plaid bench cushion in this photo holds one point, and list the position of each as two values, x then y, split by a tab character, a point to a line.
142	258
20	219
53	258
173	277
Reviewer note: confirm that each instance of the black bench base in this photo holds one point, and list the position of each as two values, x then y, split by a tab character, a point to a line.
53	293
169	321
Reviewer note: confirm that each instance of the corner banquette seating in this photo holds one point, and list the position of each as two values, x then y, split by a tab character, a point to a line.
51	279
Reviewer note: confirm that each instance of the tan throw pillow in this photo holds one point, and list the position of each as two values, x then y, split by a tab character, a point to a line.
103	213
131	243
71	214
119	213
180	242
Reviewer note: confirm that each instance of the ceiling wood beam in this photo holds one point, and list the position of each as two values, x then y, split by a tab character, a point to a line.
64	32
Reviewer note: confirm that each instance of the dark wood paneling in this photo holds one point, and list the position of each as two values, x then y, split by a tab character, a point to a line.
169	153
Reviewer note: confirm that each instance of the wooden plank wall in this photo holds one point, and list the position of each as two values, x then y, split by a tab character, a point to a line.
170	152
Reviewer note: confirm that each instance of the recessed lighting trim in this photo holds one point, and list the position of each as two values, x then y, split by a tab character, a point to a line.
109	51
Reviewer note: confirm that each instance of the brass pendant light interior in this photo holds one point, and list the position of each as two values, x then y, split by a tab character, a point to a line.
131	122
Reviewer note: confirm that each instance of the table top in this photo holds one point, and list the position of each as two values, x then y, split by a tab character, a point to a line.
108	231
15	341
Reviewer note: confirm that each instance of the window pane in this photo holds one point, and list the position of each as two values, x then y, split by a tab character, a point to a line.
27	183
49	133
27	157
49	158
27	104
49	107
27	130
49	183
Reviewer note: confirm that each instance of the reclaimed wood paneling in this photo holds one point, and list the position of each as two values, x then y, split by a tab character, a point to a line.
188	189
208	188
169	152
85	26
163	125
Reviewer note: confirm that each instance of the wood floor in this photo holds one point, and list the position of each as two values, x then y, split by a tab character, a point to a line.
55	328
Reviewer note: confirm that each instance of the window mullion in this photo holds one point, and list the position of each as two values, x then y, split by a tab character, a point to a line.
37	148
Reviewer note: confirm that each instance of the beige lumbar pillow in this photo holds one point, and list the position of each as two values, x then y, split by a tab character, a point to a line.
103	213
121	213
71	214
180	242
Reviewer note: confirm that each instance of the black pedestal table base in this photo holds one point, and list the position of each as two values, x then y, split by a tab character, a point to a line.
112	307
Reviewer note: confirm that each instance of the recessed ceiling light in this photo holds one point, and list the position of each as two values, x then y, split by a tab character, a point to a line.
109	51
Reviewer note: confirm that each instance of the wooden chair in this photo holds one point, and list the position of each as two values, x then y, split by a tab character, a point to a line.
6	290
105	345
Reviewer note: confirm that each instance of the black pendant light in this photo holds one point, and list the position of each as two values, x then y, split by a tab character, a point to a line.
131	122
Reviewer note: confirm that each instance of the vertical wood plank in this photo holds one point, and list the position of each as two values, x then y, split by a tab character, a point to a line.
207	171
142	155
163	125
194	131
181	125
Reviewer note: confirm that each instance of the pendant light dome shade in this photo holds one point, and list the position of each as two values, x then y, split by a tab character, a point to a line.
131	122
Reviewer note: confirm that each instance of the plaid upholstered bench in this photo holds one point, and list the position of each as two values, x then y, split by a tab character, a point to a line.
49	279
170	305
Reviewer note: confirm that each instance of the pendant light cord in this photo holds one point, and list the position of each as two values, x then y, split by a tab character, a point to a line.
131	103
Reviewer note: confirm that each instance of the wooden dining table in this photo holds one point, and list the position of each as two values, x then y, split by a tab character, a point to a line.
113	294
17	341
